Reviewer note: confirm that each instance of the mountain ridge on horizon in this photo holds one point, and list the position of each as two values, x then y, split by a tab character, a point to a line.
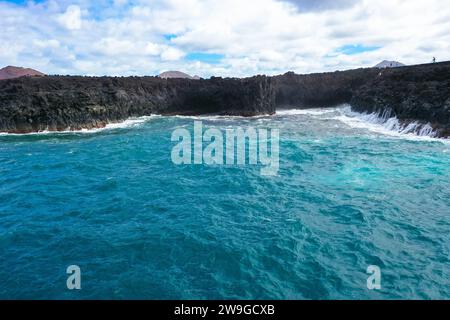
12	72
389	64
177	75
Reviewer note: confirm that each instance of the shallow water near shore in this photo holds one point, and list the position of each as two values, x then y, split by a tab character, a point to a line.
349	194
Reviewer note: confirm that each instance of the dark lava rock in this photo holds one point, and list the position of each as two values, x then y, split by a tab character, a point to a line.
319	89
58	103
415	93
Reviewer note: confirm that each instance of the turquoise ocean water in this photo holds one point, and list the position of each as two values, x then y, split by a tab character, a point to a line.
349	194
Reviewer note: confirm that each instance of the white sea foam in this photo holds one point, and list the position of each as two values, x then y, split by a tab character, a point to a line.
132	122
386	124
380	123
221	118
311	112
110	126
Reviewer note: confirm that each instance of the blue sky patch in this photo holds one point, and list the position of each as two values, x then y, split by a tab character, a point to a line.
169	37
351	49
211	58
22	2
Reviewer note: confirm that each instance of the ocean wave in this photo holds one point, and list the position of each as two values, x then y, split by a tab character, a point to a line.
311	112
386	124
380	123
221	118
132	122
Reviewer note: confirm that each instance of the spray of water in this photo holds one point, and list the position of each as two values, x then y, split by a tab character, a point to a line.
389	121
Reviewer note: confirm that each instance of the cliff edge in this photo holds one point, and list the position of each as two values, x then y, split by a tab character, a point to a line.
57	103
418	93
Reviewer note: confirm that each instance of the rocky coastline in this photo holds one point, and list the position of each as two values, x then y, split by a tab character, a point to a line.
411	94
56	103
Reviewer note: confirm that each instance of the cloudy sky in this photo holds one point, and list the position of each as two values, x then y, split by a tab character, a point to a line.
219	37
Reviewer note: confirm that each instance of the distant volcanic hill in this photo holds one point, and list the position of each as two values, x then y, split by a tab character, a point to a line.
177	75
389	64
11	72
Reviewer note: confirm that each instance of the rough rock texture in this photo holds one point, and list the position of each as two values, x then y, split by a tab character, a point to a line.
61	103
319	89
416	93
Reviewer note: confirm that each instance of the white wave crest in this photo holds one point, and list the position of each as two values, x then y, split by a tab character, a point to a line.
220	118
385	123
382	123
110	126
310	112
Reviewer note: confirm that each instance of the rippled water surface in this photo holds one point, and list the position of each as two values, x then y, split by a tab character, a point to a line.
346	197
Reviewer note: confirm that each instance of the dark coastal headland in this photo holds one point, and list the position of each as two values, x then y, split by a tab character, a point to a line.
418	93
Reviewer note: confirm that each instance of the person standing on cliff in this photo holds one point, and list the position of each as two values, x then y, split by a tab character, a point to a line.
434	59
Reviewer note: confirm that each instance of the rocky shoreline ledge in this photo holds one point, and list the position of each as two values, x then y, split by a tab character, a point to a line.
57	103
412	94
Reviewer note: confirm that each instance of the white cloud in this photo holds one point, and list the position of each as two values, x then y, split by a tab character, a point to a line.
171	54
253	36
153	49
71	19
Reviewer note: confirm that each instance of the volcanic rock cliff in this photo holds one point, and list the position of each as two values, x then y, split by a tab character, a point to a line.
320	89
59	103
416	93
